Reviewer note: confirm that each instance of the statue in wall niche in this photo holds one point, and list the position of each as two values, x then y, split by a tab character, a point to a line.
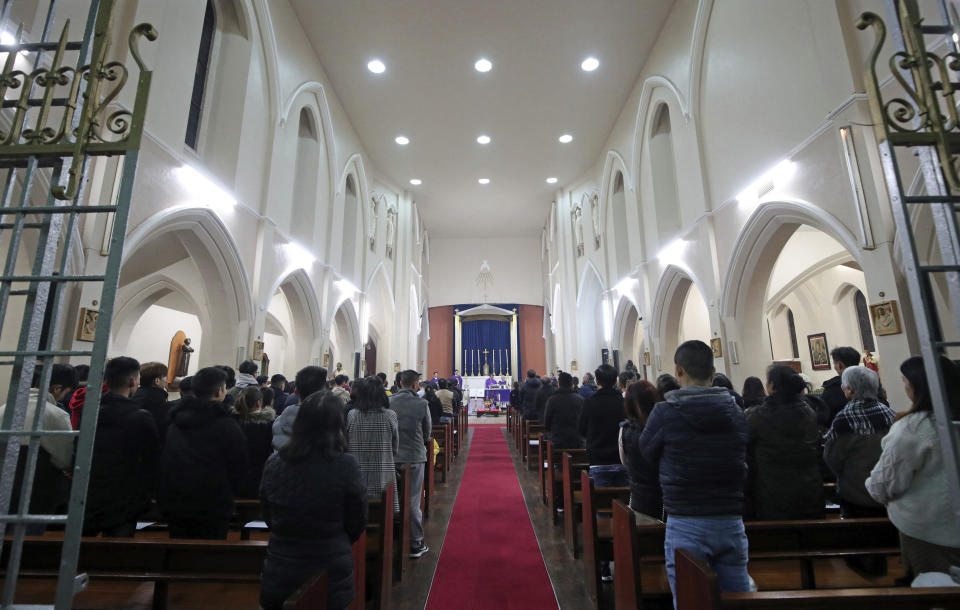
372	224
391	231
183	362
265	365
595	212
578	229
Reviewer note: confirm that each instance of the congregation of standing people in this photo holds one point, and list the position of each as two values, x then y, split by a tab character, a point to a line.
313	450
703	457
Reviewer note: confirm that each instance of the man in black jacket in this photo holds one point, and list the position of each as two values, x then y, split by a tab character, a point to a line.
151	396
126	453
562	415
203	462
600	426
547	390
528	395
832	394
278	382
698	441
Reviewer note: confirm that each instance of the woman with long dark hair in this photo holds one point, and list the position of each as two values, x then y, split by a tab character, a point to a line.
645	494
314	499
909	478
373	436
256	421
783	452
753	392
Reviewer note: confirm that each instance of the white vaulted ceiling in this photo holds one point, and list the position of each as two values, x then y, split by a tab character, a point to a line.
431	94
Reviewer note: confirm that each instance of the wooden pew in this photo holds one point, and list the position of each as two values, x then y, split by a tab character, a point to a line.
379	551
158	561
359	549
311	596
428	479
573	464
543	450
697	590
638	548
441	432
597	509
531	443
517	433
401	523
511	415
554	478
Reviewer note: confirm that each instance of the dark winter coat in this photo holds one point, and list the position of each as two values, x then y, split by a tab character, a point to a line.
587	390
784	459
600	426
258	430
834	397
546	391
204	461
698	440
154	401
562	419
645	495
126	456
316	509
528	397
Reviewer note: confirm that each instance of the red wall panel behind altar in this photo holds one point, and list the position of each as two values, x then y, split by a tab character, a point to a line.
440	345
533	349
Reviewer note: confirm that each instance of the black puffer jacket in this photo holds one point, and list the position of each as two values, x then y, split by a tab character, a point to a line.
698	440
204	461
154	401
546	391
562	419
784	458
528	397
600	426
834	397
126	454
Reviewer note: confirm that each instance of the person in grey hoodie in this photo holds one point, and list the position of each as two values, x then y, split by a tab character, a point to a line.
413	417
309	379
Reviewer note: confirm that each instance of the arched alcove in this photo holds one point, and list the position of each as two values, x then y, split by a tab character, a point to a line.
618	209
628	337
294	307
664	175
349	240
590	320
345	336
680	314
305	175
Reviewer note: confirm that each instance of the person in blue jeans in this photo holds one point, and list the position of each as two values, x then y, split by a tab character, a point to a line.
697	438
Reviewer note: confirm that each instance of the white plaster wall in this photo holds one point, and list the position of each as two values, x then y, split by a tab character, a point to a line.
695	320
150	341
455	264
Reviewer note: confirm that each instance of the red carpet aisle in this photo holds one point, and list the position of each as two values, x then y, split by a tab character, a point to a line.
490	558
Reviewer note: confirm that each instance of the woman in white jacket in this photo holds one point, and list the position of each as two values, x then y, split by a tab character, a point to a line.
910	479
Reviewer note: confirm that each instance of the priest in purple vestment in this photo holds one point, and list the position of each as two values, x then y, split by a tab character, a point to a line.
436	378
456	375
491	381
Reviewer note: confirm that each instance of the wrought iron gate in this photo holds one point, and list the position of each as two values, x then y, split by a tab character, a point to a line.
59	108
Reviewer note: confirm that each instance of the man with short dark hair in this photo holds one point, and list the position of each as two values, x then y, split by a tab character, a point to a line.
561	417
151	396
126	454
833	395
697	439
230	398
446	398
341	388
600	427
204	461
528	395
547	390
309	379
279	383
414	422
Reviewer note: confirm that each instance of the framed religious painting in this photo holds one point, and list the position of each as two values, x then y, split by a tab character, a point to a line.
87	328
885	318
646	358
717	346
819	352
257	350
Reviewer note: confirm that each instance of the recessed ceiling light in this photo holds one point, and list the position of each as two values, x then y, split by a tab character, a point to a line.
551	180
566	138
376	66
483	65
416	181
590	64
483	139
402	140
484	180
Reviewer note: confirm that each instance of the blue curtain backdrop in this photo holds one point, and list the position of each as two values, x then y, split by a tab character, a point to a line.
479	335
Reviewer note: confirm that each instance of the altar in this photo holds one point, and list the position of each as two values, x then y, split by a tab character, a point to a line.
475	391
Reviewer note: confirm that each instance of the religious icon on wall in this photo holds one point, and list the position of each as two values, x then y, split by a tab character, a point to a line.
717	346
257	350
326	361
183	360
573	365
265	365
396	367
87	328
646	358
885	318
819	353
